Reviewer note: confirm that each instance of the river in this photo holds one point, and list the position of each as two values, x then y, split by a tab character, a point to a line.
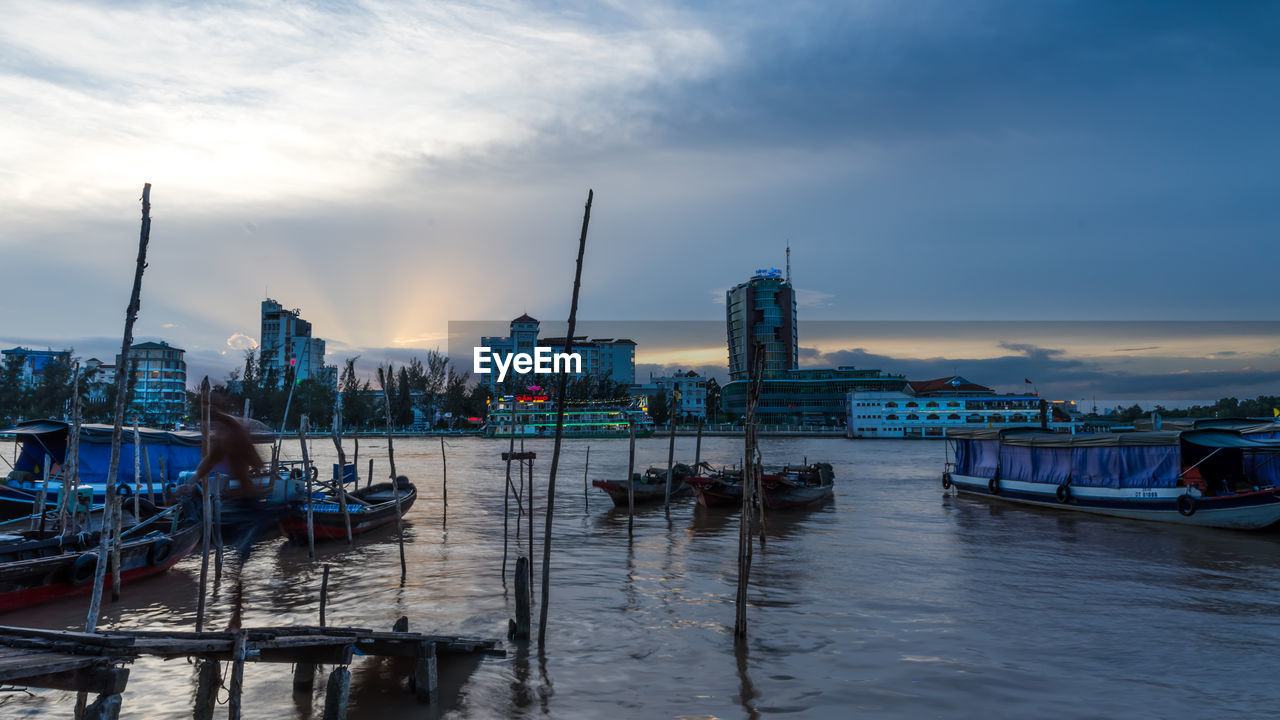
897	600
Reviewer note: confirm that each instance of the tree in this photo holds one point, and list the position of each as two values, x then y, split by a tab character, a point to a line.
455	394
713	400
355	410
660	408
402	401
12	401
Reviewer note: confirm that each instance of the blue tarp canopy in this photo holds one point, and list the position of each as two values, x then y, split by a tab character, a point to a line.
1117	460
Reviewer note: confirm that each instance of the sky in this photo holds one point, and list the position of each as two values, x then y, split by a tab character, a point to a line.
391	167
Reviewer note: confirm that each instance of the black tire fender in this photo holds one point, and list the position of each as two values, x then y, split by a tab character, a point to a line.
993	486
160	551
1186	505
946	481
82	570
1064	492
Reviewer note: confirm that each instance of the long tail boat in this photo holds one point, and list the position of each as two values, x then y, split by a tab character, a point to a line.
649	487
370	508
39	566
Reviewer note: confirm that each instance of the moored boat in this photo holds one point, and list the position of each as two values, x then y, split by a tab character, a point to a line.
797	487
651	486
717	488
370	508
36	567
1212	477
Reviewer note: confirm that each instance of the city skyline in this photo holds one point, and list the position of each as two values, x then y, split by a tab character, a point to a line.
391	168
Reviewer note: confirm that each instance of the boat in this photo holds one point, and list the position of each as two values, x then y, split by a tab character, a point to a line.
535	416
39	566
1210	476
370	508
649	487
797	487
717	488
167	454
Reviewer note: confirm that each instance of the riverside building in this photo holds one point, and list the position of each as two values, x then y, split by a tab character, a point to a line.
286	345
158	372
929	408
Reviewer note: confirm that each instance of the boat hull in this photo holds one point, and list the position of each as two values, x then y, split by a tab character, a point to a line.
30	582
781	497
644	492
328	523
713	492
1240	511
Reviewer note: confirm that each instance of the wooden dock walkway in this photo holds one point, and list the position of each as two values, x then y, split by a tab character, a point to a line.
94	662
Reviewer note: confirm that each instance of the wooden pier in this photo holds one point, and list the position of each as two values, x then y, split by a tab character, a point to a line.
94	663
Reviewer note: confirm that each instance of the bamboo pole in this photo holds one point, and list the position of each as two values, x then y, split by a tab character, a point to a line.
131	314
164	476
395	480
555	453
206	508
324	593
340	488
529	521
586	468
444	471
369	482
117	511
306	472
631	481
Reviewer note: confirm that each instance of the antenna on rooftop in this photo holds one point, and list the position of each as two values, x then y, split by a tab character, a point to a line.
788	262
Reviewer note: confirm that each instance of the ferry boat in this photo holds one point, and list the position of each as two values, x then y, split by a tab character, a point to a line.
1211	476
535	416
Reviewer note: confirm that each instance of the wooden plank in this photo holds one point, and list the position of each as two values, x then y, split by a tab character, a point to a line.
83	638
93	679
38	663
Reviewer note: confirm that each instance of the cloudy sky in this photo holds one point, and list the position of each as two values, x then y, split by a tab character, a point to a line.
390	167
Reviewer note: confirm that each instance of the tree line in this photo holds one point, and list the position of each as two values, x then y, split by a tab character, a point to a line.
1262	406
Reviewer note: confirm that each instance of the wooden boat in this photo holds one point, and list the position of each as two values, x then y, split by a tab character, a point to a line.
797	487
36	567
780	488
1212	477
370	508
717	488
649	487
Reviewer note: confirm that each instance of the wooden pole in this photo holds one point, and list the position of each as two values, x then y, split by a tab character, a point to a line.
369	481
586	468
671	450
324	593
395	479
555	453
355	459
238	654
631	482
506	495
37	504
306	472
118	510
131	314
70	473
444	473
137	473
340	487
520	628
750	483
697	449
206	510
146	463
163	475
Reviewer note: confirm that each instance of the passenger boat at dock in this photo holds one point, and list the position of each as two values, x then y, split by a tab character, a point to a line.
649	487
37	566
1209	476
370	508
535	416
